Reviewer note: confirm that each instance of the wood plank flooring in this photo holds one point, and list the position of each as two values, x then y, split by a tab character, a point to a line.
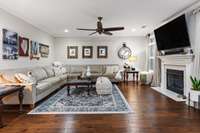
153	113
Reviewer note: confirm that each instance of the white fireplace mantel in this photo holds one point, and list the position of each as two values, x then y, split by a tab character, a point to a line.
177	59
176	62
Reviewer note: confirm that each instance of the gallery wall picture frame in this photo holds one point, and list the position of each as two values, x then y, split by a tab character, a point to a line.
44	50
10	45
102	51
87	52
34	50
23	46
72	52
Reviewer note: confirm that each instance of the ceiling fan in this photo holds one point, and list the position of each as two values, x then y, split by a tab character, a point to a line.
101	30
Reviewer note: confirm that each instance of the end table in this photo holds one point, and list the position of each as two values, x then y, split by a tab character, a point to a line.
7	90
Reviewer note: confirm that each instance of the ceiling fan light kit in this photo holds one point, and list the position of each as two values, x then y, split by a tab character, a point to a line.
101	30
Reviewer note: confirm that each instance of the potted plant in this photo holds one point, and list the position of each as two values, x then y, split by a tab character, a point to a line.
195	91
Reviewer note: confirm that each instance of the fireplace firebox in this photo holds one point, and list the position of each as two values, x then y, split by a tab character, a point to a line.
175	81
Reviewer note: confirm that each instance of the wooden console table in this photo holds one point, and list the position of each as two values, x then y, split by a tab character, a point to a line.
134	73
7	90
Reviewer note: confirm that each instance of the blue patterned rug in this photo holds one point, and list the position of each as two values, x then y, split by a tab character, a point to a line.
79	102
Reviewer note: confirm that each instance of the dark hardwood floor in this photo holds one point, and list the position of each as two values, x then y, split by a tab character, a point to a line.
153	113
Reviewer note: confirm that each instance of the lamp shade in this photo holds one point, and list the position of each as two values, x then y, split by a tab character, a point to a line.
132	58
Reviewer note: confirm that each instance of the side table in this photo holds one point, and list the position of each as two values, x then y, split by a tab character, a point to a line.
134	73
7	90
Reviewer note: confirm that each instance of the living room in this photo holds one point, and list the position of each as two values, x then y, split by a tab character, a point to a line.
99	66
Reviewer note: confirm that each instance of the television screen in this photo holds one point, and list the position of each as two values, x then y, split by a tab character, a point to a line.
173	35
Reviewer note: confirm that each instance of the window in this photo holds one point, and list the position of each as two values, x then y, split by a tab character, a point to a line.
151	53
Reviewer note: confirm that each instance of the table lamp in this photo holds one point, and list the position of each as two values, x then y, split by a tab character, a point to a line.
131	59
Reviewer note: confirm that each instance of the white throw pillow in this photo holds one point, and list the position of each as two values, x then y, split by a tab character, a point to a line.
58	71
119	75
64	71
24	78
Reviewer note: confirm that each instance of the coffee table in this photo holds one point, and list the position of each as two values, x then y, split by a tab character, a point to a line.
113	81
77	83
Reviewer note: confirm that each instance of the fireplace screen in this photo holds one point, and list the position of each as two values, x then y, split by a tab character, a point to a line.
175	81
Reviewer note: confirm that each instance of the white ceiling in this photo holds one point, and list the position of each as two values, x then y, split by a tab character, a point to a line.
53	16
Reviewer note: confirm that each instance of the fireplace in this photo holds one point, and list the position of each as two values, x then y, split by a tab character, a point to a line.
175	81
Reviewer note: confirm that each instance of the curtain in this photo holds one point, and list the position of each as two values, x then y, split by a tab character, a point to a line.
156	79
157	70
193	21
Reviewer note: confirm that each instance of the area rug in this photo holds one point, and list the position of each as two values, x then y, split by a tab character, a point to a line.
79	102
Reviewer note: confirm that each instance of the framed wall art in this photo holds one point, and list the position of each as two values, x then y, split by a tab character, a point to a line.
10	45
44	50
72	52
23	46
102	52
34	53
87	51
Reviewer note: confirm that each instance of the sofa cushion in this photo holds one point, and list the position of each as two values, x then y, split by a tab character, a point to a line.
42	87
67	68
111	69
52	80
39	74
96	68
49	70
77	69
63	77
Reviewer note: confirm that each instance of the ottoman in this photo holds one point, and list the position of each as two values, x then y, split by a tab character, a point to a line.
103	86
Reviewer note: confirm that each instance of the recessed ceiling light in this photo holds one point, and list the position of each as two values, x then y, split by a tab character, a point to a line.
133	30
66	30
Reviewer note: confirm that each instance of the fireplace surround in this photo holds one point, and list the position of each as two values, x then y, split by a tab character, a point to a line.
179	63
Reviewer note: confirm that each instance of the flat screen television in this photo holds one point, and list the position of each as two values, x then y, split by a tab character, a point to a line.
173	35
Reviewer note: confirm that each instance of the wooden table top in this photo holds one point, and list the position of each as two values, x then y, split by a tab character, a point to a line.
5	90
131	71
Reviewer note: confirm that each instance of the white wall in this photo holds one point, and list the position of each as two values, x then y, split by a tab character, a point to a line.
13	23
137	44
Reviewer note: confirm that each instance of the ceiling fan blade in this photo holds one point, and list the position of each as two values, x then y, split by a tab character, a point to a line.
107	33
113	28
92	33
86	29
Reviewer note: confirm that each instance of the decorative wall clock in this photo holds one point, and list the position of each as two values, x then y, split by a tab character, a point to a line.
124	52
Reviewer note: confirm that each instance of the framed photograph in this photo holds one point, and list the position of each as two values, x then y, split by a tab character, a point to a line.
72	52
87	51
23	46
10	45
102	52
34	54
44	50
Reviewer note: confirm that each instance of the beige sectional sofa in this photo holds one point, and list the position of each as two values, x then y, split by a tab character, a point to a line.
47	80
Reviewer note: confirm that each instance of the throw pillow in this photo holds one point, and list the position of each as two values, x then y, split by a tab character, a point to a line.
24	78
58	71
119	75
6	78
49	71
